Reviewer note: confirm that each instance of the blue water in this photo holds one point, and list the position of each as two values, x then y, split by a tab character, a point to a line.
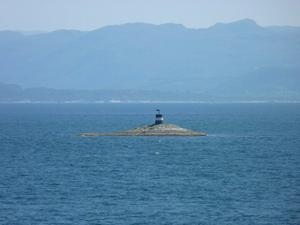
247	171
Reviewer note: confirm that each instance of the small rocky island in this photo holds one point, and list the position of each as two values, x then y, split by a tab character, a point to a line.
157	129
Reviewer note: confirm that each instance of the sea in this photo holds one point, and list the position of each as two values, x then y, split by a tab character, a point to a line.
245	172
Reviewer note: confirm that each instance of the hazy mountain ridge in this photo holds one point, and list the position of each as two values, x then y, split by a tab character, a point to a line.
239	59
15	93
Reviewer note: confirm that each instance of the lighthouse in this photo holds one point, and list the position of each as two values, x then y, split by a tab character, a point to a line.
158	117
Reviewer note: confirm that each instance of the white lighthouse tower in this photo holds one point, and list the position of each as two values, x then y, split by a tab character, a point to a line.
158	117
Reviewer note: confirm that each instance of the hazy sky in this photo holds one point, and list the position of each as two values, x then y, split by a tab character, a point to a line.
92	14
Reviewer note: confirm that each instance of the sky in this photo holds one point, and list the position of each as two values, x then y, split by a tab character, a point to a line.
48	15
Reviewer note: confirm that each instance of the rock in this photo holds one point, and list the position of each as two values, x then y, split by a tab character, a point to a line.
152	130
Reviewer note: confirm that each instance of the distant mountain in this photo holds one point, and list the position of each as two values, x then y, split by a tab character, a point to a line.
14	93
234	60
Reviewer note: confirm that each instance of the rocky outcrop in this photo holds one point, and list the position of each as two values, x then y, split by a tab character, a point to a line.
152	130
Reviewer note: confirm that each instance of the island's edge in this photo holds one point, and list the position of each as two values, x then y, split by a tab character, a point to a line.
141	134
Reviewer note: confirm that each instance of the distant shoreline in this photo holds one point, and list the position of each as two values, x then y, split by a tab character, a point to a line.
152	102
